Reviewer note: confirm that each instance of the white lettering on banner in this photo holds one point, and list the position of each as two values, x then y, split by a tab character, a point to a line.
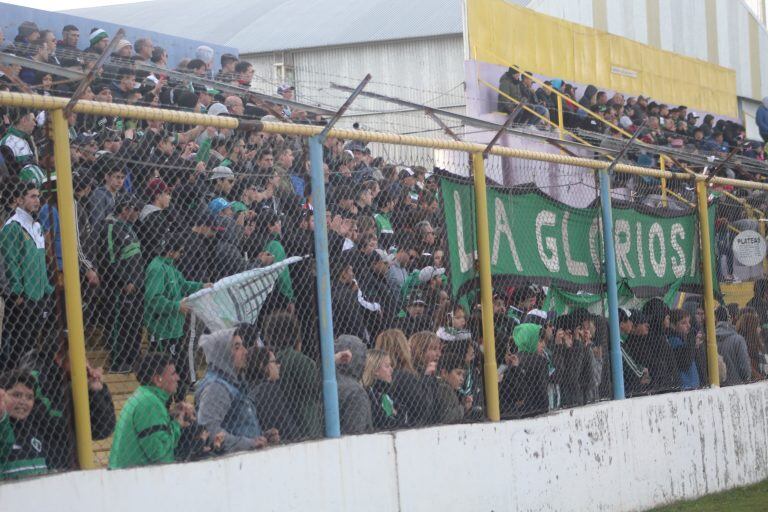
594	250
659	265
465	259
503	228
639	248
551	261
576	268
622	245
678	262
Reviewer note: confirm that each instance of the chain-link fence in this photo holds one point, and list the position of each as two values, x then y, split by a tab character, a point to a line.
197	258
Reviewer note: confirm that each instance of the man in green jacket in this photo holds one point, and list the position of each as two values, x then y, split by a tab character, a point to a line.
164	308
30	301
148	431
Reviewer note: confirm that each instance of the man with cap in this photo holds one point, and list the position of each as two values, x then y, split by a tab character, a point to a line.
286	91
155	220
123	263
99	40
413	317
164	306
222	179
29	302
428	279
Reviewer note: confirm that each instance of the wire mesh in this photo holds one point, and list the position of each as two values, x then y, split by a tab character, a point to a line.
165	210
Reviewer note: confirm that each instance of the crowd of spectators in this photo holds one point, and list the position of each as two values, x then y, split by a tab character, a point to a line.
667	126
164	210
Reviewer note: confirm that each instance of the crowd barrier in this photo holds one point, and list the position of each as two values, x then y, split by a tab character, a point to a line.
282	267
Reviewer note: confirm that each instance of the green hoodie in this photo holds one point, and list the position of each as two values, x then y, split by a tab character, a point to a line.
164	288
526	337
145	433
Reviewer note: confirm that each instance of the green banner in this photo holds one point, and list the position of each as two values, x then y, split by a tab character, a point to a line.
542	240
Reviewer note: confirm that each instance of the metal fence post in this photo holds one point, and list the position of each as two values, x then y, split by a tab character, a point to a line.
330	389
490	372
617	368
707	282
74	308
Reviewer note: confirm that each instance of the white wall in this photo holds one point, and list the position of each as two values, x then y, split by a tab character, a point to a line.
614	456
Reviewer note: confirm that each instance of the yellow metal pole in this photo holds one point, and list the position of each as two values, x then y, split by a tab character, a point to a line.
486	290
76	336
708	282
663	167
560	116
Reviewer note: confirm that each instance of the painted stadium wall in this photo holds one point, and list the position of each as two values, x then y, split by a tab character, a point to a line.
617	456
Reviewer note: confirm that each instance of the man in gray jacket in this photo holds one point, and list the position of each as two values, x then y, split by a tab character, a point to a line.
354	405
221	399
733	348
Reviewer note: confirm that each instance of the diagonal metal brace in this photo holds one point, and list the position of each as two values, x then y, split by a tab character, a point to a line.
507	123
431	114
323	134
85	82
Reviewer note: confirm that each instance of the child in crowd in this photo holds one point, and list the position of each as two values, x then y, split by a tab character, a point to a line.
449	408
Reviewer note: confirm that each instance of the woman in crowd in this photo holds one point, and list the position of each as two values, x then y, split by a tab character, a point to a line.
684	350
262	376
426	349
408	391
749	327
377	381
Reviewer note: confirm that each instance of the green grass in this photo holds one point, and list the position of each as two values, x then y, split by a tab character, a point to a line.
744	499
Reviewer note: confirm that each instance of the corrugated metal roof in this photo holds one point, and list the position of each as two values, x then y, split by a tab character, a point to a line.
256	26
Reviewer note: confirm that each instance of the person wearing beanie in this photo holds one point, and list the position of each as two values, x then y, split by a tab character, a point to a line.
98	40
164	305
523	390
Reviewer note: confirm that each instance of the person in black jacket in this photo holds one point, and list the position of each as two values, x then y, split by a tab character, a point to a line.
409	390
377	381
262	374
523	390
125	270
28	431
54	390
661	361
155	222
